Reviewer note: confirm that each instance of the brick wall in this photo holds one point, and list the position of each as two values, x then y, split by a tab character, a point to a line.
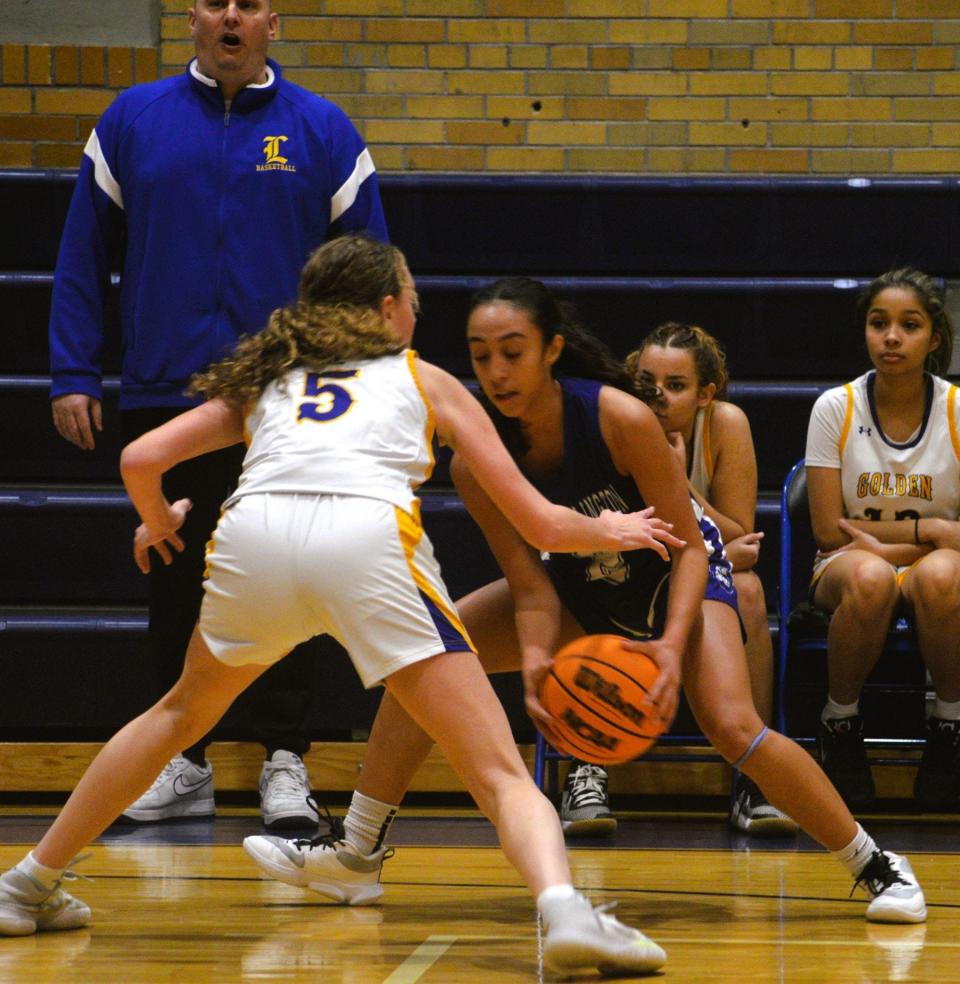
51	96
642	86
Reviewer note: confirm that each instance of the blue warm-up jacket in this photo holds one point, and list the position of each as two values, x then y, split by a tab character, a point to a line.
212	213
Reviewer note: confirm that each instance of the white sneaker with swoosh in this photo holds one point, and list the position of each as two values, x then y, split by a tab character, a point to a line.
183	789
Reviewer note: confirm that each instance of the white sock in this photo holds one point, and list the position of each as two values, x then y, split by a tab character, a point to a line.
47	877
367	823
833	710
946	710
857	853
555	893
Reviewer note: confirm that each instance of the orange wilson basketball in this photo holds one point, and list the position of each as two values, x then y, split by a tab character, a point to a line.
597	692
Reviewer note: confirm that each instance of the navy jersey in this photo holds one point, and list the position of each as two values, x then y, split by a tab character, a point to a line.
624	593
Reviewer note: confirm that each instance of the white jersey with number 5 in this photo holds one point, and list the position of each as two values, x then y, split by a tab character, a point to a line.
363	428
881	478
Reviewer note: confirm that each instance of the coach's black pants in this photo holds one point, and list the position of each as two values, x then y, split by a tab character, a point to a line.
279	701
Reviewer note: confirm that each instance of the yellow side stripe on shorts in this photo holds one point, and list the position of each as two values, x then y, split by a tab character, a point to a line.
411	532
211	546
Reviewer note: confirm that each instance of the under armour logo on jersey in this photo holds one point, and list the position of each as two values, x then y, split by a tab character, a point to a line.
866	430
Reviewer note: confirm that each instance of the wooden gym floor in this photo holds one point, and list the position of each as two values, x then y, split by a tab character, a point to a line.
181	902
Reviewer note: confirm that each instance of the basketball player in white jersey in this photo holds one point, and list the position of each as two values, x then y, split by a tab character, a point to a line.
323	536
883	473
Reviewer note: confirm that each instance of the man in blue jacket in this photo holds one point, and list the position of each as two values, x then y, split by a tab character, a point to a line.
211	188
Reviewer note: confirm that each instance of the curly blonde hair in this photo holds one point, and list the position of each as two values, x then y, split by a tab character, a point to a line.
709	359
336	318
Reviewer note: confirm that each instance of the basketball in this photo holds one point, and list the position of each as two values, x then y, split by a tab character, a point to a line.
597	693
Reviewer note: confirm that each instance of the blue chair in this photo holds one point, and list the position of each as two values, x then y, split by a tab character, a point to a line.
803	631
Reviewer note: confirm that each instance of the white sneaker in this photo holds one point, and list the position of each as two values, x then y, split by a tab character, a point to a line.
584	807
284	790
27	906
895	894
580	938
326	864
182	789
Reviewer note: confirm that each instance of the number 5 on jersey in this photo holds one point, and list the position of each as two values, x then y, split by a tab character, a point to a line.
324	401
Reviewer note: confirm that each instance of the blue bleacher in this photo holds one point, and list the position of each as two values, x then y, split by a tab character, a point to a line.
771	266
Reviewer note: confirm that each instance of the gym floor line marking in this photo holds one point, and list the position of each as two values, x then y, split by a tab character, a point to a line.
433	948
623	891
421	960
890	943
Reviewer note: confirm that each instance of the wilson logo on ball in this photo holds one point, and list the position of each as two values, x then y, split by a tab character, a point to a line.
598	695
587	732
607	693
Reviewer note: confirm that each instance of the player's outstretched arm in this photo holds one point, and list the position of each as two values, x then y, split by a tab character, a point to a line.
210	427
464	426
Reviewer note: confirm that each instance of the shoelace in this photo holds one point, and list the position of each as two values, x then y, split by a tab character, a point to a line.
51	901
168	770
288	778
587	785
336	834
878	875
335	831
606	920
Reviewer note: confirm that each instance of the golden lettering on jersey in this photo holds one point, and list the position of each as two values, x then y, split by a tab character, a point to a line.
274	160
894	485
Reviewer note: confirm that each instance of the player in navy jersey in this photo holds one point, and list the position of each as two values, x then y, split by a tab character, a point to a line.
883	473
566	411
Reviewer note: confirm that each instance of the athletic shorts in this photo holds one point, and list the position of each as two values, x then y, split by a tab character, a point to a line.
645	614
282	568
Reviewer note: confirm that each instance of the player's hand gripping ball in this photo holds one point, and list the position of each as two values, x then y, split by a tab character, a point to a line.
597	694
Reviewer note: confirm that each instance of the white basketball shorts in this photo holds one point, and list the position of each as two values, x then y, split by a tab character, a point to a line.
282	568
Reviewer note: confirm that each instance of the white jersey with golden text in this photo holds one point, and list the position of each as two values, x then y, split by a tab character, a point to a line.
884	479
363	428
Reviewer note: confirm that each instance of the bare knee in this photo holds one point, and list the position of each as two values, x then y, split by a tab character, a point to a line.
750	596
493	787
731	730
870	591
189	715
936	587
751	601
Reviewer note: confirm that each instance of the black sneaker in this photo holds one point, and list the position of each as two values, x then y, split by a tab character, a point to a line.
752	814
844	759
584	807
937	786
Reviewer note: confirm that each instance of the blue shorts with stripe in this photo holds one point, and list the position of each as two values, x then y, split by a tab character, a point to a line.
637	610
